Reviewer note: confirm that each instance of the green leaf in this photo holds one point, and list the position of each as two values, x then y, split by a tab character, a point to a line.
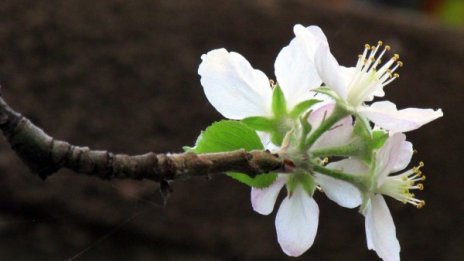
279	105
259	181
260	123
227	135
378	139
277	137
302	107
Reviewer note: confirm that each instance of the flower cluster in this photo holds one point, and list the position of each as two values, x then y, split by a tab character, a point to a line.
318	112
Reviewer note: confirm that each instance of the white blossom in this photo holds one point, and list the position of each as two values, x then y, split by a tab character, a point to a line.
357	85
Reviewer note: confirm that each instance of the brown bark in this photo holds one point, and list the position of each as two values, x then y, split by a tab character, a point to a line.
44	156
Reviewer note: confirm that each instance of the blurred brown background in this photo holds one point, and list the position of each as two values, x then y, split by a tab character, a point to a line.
121	75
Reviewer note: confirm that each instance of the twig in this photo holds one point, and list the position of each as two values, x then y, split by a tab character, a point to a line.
44	156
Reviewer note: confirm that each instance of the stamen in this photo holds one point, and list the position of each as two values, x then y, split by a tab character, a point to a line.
367	79
399	186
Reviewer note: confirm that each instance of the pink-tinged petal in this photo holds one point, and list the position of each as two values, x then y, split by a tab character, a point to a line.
296	222
295	69
381	231
320	114
350	166
388	157
339	191
340	134
329	71
233	87
263	200
386	115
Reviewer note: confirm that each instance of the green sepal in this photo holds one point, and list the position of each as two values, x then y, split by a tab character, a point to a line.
227	135
259	181
260	123
305	125
302	107
301	178
327	91
279	105
362	128
378	139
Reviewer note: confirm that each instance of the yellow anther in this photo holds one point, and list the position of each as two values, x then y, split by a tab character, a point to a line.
421	164
423	178
396	57
400	63
325	161
421	204
387	47
367	46
359	56
272	82
396	75
373	48
420	186
380	43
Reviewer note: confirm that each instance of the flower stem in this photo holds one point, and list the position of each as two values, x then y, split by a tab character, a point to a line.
356	147
336	115
351	178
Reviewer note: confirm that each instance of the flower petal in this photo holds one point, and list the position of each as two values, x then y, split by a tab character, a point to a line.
386	115
339	135
388	157
263	200
233	87
296	222
329	71
350	165
294	67
404	156
320	114
339	191
315	30
381	231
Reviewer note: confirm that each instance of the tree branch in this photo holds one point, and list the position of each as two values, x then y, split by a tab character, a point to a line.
44	156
